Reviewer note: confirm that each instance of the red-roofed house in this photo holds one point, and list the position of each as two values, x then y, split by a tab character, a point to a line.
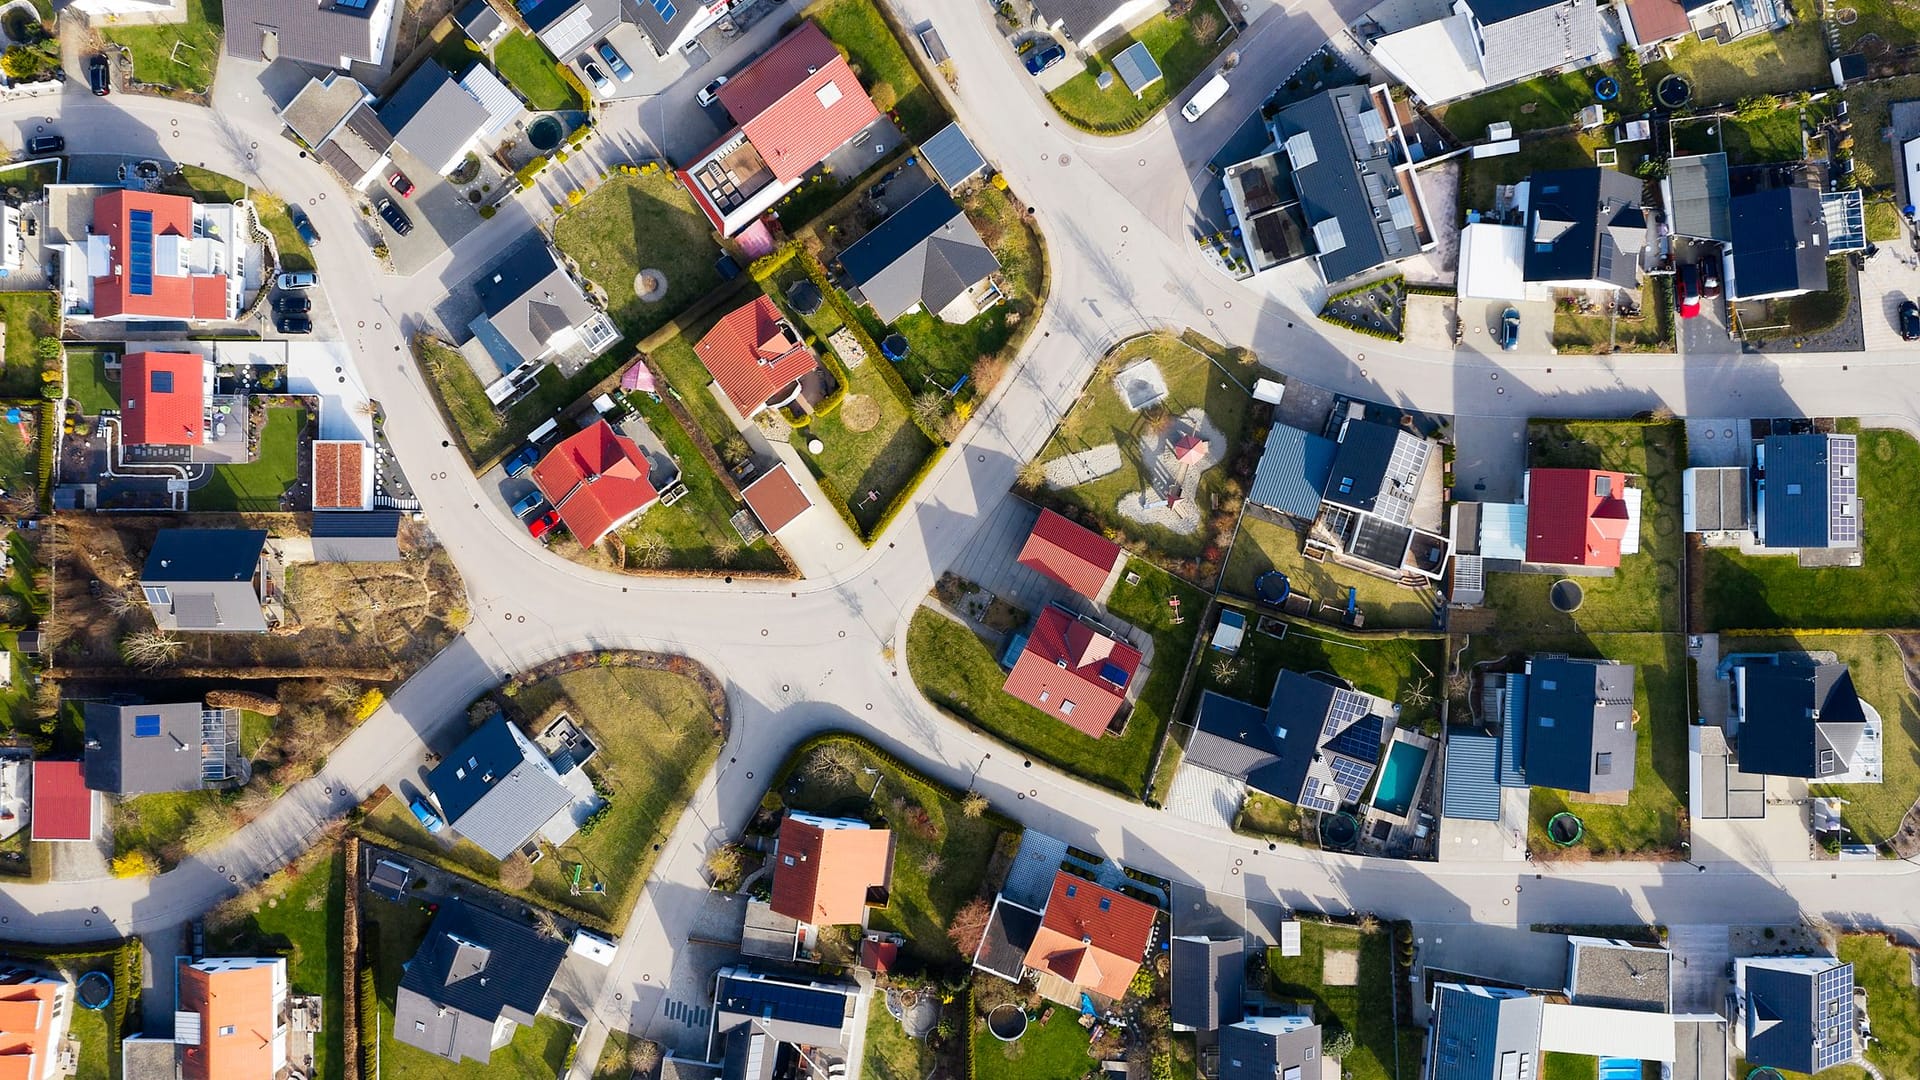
1581	517
1650	22
776	499
756	358
795	105
1074	556
64	807
241	1005
828	871
163	399
35	1011
1073	672
1091	940
147	256
597	479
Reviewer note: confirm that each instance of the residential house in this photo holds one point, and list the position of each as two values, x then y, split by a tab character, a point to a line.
65	809
1715	501
1649	22
1570	725
829	871
1586	229
342	475
1087	23
1806	492
476	977
1074	670
1483	1033
1091	940
795	105
128	255
1613	974
359	148
1261	193
926	256
1482	44
439	120
180	746
1315	745
326	33
1208	981
36	1014
1369	504
952	156
776	498
207	580
232	1018
756	359
1779	244
356	536
1581	517
1073	555
532	312
1270	1048
163	398
1794	1013
570	27
482	22
597	479
1358	193
323	105
671	27
767	1025
1798	716
1293	470
497	789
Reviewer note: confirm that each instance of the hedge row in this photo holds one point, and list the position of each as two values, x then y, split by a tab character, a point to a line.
1362	328
1361	290
848	316
879	753
905	496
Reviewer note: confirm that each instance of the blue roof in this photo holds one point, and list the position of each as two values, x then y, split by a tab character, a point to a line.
1472	788
204	555
465	776
140	253
1359	740
952	155
1137	68
1473	1027
1513	734
1293	471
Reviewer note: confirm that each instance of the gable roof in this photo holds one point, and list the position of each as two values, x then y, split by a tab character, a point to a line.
1092	936
1576	517
1071	554
63	805
1342	153
324	33
433	116
927	253
1779	243
356	536
1799	1012
1580	732
29	1006
597	479
1377	468
140	749
826	868
496	788
238	1024
140	227
473	967
1293	471
1208	979
1475	1027
798	102
204	555
163	399
776	498
1230	737
1077	17
1584	225
1807	491
1799	718
1073	672
753	354
337	474
1270	1048
1521	38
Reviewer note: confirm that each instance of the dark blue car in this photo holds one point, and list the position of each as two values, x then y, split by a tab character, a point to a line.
1045	57
524	460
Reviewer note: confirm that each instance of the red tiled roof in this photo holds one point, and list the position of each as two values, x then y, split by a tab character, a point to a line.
1569	523
62	802
1092	936
783	103
173	296
150	416
597	479
750	353
1657	20
1070	554
241	999
336	475
878	956
821	874
1066	663
776	499
26	1029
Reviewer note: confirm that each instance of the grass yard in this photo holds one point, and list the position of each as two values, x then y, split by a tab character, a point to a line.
257	486
1547	102
634	223
696	530
1808	313
182	54
1883	220
527	64
676	360
456	51
1264	545
1885	972
868	460
1789	59
1479	179
1870	106
167	825
1770	138
1892	21
1146	606
1381	1050
1055	1050
298	916
294	252
1183	47
205	185
877	56
89	1026
1644	593
29	316
1568	1067
1263	815
87	381
1872	811
1651	331
1400	669
1773	591
463	401
28	180
18	459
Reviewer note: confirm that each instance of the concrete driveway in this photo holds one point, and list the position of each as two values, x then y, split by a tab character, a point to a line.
440	216
1887	282
1480	323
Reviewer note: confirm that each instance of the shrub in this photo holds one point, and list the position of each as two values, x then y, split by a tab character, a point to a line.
133	864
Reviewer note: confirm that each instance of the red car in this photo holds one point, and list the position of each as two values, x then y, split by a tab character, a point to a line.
543	524
1689	291
401	184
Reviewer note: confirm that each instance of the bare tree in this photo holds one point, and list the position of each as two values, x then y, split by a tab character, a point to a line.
929	407
548	924
151	649
1226	669
1032	475
833	762
1369	923
726	551
643	1055
969	926
650	553
119	602
516	872
932	864
342	693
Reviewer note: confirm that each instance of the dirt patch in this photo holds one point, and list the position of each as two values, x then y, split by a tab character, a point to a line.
1340	967
859	412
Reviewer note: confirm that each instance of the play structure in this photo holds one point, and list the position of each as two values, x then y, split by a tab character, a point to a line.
1564	829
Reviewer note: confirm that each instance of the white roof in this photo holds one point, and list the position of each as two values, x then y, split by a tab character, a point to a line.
1268	391
1596	1032
1438	60
1290	938
593	947
1630	543
1503	531
1493	262
492	94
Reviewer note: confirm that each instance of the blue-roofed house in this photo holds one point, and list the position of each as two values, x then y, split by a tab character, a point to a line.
767	1025
206	580
925	256
498	789
1292	472
1566	724
1798	716
1316	744
1794	1012
1806	492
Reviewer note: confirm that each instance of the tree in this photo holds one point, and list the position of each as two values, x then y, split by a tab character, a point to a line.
725	864
516	872
969	925
643	1055
1753	107
929	406
650	552
548	924
833	762
974	805
46	350
1338	1045
151	649
133	864
1032	475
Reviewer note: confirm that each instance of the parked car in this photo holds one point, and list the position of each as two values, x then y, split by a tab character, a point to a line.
401	184
1710	276
1910	321
601	84
395	217
1689	291
298	279
427	818
528	505
296	324
292	304
526	459
303	225
543	524
710	93
1510	330
614	61
100	74
1045	57
46	144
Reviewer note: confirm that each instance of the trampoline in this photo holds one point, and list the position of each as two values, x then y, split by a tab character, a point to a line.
1338	831
1606	88
1564	829
1273	588
1764	1072
1674	91
1007	1021
1565	596
94	990
805	297
894	348
545	133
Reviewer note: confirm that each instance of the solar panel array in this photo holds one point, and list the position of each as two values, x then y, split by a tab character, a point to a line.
1404	469
1346	708
352	5
1311	798
140	253
793	1004
1843	490
665	9
1361	741
1352	777
1833	1015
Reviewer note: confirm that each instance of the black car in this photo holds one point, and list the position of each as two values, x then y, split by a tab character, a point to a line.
303	225
292	304
99	75
1910	321
46	144
295	324
395	217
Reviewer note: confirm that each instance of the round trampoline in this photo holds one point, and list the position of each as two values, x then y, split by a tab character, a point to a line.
1338	831
1764	1072
1565	596
1564	829
1007	1021
545	133
805	297
1674	91
94	990
894	348
1606	88
1273	588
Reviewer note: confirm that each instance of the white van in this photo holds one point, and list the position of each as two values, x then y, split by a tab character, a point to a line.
1205	98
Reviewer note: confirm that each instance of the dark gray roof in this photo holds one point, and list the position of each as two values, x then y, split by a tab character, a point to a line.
1584	225
952	155
356	536
1293	471
661	32
1698	203
1802	719
1779	243
1493	11
1264	1048
1208	978
139	749
474	967
496	788
1343	171
925	253
808	1013
1580	734
525	300
1311	733
1077	17
321	33
1010	930
1230	737
1619	976
479	19
1799	1015
1473	1026
1808	488
1359	472
432	115
1472	787
192	555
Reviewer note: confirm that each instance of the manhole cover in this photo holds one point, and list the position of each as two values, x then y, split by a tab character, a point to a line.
1065	160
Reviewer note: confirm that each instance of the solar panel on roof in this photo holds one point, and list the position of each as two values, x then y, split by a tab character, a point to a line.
1114	674
140	253
146	725
351	5
1351	776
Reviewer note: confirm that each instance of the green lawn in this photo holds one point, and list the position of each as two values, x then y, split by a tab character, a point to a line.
1651	331
1263	815
884	68
89	1026
613	1058
634	223
457	51
1807	313
890	1053
168	824
1568	1067
677	362
1546	102
301	920
1055	1050
1770	138
19	459
181	54
696	530
1264	545
1380	1051
471	418
1401	669
877	462
1869	104
1145	606
1773	591
1883	220
1644	593
527	64
1479	178
27	180
29	316
87	381
1885	972
1783	61
257	486
294	252
1183	48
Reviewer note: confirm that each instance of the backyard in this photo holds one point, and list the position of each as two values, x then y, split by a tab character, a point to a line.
1643	594
1382	1049
871	449
1547	102
1598	332
209	186
696	532
26	181
882	64
1055	1050
257	486
1404	670
527	64
1774	591
1869	104
634	223
1183	47
296	914
1264	545
29	316
1479	178
1781	61
182	54
1885	971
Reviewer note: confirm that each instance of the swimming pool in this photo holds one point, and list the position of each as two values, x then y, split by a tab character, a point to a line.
1399	778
